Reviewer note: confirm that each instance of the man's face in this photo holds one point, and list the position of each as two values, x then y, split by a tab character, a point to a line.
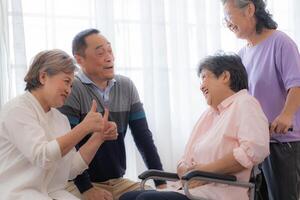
98	61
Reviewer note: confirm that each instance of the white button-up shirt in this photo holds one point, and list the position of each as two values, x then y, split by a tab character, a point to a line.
31	165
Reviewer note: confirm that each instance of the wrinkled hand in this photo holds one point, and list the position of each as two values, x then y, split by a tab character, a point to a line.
93	121
182	169
110	131
194	183
281	124
162	186
97	194
193	167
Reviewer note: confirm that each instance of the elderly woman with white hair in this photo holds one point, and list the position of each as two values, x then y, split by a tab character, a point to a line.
272	62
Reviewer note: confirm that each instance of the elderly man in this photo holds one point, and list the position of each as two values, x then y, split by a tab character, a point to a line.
97	80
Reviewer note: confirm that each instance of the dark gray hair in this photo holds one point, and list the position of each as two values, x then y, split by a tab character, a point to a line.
50	61
221	62
262	15
79	43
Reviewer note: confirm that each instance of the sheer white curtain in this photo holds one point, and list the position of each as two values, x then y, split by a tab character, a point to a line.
157	43
13	58
4	53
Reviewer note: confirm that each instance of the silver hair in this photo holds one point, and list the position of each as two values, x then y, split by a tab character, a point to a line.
262	15
50	61
238	3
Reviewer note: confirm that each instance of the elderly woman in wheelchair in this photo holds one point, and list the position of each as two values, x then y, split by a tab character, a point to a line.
229	139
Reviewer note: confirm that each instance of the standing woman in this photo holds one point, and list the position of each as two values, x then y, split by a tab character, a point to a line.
37	154
272	61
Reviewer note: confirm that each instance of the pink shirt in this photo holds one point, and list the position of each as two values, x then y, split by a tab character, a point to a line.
239	126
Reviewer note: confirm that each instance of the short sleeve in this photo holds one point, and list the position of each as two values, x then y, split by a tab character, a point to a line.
288	62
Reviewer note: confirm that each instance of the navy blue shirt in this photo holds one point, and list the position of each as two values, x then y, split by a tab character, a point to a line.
125	110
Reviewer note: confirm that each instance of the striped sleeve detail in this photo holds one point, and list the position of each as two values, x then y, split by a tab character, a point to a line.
73	120
137	115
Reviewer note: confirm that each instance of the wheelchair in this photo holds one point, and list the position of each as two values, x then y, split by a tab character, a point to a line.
253	184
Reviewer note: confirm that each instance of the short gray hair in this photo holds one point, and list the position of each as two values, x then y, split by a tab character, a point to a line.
262	15
50	61
79	44
238	3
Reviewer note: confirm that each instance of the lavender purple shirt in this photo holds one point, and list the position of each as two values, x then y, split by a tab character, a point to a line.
273	67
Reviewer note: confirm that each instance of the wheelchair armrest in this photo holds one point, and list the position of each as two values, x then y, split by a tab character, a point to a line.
157	173
214	177
193	174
